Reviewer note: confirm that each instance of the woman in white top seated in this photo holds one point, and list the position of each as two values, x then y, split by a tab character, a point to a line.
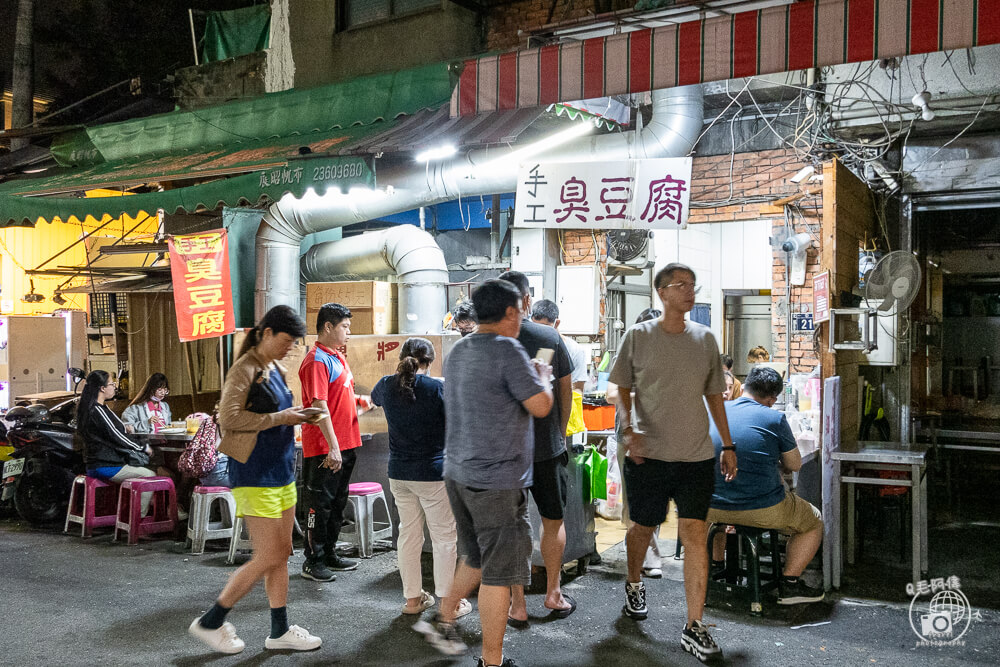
148	412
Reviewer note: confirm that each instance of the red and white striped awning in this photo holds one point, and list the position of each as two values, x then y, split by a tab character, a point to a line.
811	33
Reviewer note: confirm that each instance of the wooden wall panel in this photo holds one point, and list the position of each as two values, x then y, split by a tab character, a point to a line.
848	219
154	347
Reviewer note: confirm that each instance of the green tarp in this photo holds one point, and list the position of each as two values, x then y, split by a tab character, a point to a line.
236	32
296	177
255	142
274	116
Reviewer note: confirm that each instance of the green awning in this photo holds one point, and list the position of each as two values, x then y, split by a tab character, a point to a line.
233	154
294	176
284	115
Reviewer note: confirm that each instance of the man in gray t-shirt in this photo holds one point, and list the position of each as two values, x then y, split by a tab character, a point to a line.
674	369
491	392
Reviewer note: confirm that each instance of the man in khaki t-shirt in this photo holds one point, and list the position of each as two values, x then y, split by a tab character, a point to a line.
673	366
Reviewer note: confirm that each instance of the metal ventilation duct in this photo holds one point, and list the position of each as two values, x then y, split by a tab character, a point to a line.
677	120
411	253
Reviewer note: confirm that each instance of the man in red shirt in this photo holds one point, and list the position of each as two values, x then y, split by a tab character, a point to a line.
329	446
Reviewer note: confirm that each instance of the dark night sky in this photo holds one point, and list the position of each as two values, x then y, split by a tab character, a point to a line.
83	46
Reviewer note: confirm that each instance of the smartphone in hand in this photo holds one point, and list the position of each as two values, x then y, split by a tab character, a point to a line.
313	415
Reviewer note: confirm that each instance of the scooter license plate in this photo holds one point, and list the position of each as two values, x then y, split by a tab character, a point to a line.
13	468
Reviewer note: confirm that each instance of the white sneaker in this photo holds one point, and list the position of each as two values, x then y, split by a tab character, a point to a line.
464	608
296	639
223	640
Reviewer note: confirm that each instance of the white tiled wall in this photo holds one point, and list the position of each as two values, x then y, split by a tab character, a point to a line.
724	256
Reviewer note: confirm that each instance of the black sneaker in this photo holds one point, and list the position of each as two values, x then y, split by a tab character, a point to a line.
635	601
340	564
317	572
507	662
798	593
441	635
699	643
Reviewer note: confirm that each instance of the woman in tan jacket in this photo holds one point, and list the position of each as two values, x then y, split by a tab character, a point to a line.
257	420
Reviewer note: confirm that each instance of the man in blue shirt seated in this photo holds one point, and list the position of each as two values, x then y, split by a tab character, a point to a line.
757	497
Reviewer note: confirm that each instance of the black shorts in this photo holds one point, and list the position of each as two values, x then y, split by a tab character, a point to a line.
549	486
650	486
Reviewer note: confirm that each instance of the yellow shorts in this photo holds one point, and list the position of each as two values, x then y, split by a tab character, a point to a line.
264	501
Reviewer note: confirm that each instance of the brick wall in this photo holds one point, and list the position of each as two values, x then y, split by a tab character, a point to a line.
765	174
504	22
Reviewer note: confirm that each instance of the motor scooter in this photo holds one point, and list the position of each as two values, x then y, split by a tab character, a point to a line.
47	456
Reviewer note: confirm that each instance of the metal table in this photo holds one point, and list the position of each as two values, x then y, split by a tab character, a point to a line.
970	441
895	456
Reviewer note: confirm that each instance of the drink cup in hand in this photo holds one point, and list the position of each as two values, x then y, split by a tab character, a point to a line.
543	369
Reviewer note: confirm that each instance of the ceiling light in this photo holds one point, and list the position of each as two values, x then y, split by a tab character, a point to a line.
923	100
552	141
439	153
59	299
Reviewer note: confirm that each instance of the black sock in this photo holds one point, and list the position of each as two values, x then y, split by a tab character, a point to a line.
789	580
718	564
279	621
214	617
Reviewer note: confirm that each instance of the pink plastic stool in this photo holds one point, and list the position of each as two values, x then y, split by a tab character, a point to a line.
162	516
364	489
91	504
364	530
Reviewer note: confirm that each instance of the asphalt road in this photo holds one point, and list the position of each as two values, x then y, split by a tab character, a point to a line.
69	601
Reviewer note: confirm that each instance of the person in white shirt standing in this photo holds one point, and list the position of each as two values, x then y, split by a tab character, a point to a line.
547	312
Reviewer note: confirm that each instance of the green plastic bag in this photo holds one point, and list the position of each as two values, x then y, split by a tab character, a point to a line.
595	474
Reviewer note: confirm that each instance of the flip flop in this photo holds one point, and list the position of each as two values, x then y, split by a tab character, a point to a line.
564	613
517	624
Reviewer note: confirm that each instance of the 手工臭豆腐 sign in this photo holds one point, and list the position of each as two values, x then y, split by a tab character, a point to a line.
629	194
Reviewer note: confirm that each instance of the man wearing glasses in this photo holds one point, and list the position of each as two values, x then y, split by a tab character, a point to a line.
672	363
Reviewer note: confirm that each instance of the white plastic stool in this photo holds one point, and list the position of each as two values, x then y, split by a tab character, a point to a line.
200	526
364	530
240	540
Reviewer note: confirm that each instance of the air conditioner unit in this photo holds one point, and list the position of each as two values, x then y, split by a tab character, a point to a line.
631	247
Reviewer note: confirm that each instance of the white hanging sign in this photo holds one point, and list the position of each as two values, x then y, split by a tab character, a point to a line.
631	194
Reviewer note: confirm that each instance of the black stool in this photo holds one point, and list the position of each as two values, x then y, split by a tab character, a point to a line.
743	564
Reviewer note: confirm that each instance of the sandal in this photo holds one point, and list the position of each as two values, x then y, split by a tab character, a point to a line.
426	602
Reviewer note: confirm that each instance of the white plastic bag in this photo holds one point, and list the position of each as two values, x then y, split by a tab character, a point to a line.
611	508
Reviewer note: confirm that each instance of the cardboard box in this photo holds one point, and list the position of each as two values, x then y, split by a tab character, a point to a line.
364	321
373	304
370	358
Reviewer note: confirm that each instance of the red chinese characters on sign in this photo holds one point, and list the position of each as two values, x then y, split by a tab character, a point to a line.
821	297
664	200
203	295
383	348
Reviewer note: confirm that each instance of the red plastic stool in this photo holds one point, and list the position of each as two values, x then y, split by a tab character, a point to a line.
92	504
162	517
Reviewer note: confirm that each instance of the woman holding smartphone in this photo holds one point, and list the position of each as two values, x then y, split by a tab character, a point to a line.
257	420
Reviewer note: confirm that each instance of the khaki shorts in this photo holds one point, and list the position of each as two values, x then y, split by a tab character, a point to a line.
791	516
